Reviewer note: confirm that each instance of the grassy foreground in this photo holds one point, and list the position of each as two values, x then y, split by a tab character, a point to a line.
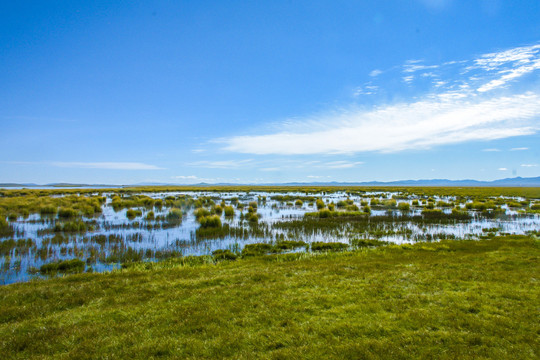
453	299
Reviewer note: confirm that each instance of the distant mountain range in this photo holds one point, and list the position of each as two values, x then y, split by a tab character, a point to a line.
513	182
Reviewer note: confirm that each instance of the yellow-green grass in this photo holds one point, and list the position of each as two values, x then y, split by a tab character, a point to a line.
446	300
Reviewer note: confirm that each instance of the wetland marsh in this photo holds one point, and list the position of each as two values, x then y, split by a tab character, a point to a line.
51	232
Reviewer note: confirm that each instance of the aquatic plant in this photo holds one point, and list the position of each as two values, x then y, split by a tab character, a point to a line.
288	245
256	249
67	213
328	246
201	212
132	213
403	206
211	221
174	215
65	266
71	226
47	210
219	255
229	211
432	213
367	242
5	228
217	209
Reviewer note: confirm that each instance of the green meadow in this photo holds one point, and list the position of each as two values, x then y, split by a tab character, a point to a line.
452	299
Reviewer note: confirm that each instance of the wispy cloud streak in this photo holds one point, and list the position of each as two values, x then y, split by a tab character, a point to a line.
456	110
400	127
106	165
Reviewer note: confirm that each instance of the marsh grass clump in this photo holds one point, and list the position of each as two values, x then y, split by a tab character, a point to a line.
5	228
459	214
201	212
367	243
403	206
65	266
534	208
282	245
174	215
67	213
229	211
252	217
212	221
328	246
219	255
132	213
298	203
480	205
256	249
433	213
47	210
217	209
327	213
71	226
444	204
150	215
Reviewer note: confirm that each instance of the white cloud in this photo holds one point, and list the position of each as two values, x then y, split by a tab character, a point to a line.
502	169
412	66
510	75
509	65
519	149
271	169
491	150
519	55
529	165
457	108
408	79
375	73
106	165
341	164
183	177
224	164
417	125
366	90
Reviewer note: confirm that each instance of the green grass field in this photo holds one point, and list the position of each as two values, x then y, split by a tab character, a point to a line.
446	300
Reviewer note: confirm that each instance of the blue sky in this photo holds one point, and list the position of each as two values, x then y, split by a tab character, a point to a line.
254	92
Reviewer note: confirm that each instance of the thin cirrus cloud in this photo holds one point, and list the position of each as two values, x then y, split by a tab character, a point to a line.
107	165
456	110
401	127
